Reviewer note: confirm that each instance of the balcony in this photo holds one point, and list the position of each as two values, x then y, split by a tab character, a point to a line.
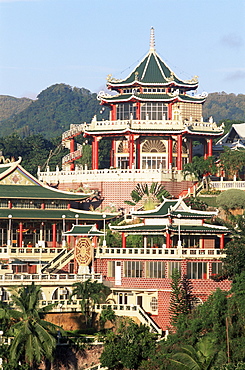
160	253
46	279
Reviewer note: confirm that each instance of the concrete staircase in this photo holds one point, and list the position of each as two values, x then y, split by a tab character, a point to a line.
64	257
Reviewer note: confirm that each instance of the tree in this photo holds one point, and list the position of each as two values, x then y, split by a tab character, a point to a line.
199	357
149	197
107	314
181	298
200	168
232	162
34	338
90	293
234	260
128	346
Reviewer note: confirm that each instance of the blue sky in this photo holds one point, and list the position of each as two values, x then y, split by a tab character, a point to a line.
80	42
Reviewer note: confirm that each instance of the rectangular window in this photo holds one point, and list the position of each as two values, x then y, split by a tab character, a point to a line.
197	270
154	111
216	268
155	269
173	265
126	110
133	269
111	268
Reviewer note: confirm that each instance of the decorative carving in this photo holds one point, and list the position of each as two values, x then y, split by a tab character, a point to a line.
83	251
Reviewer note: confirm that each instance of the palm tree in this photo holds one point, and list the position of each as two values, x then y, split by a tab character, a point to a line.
200	357
149	197
34	338
90	293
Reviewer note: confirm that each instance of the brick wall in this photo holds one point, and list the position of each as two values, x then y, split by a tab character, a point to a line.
115	193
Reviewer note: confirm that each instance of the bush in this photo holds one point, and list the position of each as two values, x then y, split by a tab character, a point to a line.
231	199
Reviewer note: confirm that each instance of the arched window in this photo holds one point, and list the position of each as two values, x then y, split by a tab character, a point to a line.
153	146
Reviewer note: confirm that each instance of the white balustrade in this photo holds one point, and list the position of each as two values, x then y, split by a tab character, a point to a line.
156	253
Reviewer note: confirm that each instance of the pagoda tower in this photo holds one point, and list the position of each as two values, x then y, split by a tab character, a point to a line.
154	119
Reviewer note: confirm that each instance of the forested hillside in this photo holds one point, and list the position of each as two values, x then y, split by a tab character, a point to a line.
52	113
222	106
60	105
9	106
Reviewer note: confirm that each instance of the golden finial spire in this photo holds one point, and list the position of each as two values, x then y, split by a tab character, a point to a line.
152	40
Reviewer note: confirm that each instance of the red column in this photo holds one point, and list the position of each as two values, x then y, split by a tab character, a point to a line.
95	153
43	205
137	156
72	149
170	111
113	112
179	152
124	240
54	236
131	151
170	152
20	234
222	241
113	151
168	239
210	148
138	113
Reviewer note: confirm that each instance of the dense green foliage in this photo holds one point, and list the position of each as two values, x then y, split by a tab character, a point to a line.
232	162
55	109
222	106
128	346
200	168
90	293
34	338
231	199
35	151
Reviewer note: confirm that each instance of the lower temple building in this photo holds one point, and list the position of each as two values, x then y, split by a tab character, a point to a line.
47	238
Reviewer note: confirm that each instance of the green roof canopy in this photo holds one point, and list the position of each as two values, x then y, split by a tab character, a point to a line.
37	192
87	230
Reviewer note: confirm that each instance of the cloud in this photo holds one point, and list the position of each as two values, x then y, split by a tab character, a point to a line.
232	41
236	75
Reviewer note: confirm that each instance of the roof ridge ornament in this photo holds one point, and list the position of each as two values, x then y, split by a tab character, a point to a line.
152	40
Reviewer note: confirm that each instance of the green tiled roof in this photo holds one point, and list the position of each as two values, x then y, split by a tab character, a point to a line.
140	228
50	214
160	211
151	97
84	230
37	192
199	228
193	214
3	169
152	71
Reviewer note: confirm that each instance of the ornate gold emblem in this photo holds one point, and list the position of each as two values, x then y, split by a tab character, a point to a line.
83	251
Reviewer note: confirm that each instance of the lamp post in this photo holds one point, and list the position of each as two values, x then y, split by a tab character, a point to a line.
179	240
64	229
104	241
9	242
77	216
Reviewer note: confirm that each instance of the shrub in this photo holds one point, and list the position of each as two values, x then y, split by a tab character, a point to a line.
231	199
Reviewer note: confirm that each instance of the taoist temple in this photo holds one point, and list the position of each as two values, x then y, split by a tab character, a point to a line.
50	237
